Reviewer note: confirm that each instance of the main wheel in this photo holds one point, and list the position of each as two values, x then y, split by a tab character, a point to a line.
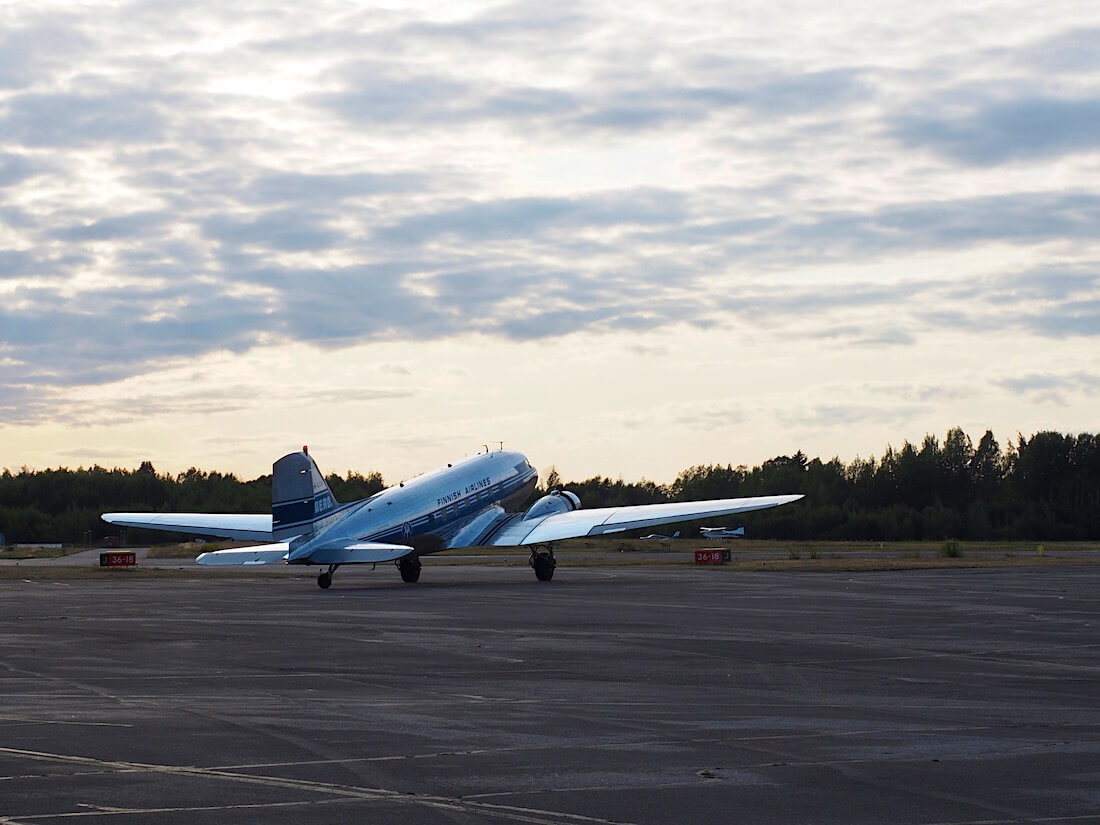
324	581
410	569
544	567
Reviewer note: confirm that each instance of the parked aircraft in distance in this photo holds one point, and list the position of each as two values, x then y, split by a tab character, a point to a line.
722	533
469	503
660	537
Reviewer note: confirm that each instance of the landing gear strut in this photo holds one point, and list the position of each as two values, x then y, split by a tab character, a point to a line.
410	569
542	559
324	580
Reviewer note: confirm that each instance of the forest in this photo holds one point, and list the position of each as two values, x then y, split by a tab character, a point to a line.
1042	487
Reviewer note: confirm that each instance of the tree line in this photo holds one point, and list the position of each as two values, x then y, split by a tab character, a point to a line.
1042	487
1046	487
64	505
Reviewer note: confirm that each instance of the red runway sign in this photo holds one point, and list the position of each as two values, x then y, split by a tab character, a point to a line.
712	556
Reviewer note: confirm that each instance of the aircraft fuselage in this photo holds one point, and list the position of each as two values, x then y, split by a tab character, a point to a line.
426	511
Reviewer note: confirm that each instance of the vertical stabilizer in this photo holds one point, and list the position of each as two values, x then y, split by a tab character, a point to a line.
300	498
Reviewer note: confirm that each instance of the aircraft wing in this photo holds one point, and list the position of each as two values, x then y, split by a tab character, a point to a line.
255	526
617	519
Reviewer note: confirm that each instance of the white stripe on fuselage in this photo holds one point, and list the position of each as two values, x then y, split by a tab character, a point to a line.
447	495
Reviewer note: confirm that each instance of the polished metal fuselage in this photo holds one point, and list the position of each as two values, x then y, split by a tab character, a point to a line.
429	510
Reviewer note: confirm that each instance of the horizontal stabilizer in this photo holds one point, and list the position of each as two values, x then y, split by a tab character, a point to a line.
249	526
261	554
360	552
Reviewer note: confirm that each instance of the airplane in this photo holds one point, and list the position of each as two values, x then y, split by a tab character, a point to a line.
722	533
659	537
469	503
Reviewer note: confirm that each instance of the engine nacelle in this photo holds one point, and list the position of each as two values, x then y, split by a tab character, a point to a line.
558	501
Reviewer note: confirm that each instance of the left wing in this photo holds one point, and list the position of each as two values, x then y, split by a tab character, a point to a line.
254	526
617	519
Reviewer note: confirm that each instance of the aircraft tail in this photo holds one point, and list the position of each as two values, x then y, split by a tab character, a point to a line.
300	498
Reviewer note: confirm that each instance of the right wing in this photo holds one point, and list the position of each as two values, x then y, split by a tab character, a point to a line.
617	519
254	526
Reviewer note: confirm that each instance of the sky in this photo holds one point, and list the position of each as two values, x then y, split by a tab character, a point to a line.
624	239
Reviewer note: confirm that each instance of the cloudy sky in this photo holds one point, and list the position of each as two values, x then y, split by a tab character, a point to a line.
623	238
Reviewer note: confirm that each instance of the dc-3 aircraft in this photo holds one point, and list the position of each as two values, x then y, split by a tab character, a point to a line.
470	503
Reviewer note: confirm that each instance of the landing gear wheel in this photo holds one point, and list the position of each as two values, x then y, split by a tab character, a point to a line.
544	563
410	569
324	581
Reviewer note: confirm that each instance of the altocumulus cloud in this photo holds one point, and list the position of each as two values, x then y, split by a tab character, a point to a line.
224	177
997	132
1052	387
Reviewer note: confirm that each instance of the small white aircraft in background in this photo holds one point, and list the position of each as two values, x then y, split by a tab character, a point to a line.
466	504
660	537
722	533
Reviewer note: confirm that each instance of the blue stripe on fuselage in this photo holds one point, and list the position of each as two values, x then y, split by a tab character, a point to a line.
441	519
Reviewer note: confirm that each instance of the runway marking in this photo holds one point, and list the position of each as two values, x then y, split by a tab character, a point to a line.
634	744
106	810
367	759
989	656
21	719
513	813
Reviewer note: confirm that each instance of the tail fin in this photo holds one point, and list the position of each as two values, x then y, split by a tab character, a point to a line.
300	498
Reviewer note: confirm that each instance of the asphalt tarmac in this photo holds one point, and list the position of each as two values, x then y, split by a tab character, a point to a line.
608	695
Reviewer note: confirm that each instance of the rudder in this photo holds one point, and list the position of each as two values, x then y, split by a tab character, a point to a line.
299	496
